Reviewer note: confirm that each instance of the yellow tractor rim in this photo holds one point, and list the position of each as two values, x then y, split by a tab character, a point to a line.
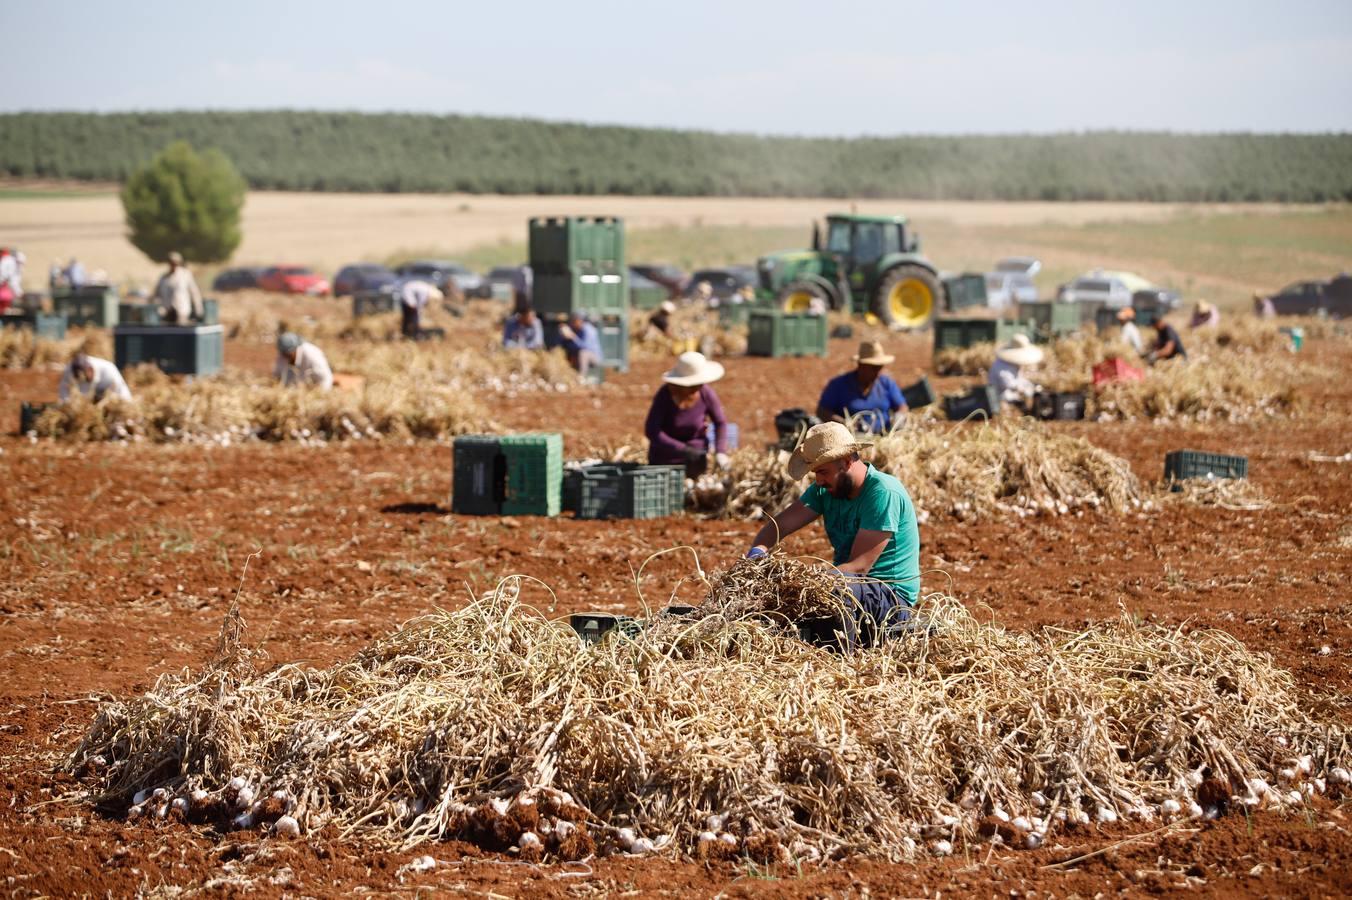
911	302
797	302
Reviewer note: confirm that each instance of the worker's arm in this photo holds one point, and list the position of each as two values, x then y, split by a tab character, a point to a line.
868	546
794	517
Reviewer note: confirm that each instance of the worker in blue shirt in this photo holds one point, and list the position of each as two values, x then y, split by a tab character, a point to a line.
866	397
582	343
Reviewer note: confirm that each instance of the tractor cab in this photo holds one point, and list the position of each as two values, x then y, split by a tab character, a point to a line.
867	264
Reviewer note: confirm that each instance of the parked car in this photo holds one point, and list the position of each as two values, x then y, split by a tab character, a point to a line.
670	277
237	279
294	280
361	277
725	282
1019	265
449	277
1113	289
500	282
1332	298
1156	298
1005	289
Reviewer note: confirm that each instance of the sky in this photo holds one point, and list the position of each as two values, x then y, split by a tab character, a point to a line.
821	68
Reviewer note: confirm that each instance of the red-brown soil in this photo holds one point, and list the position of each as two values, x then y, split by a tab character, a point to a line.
119	562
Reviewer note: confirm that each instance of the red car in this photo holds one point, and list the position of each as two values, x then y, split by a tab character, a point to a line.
294	280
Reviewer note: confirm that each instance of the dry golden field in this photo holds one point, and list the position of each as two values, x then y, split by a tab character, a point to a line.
1224	252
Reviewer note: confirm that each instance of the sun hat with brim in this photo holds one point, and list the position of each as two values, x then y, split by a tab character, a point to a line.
823	443
1020	352
871	354
691	369
1126	314
667	307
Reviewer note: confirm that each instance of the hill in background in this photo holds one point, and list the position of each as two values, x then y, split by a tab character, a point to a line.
339	151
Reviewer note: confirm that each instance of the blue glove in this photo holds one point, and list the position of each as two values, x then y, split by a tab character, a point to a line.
756	553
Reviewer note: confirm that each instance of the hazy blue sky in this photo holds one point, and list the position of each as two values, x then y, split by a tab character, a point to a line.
787	68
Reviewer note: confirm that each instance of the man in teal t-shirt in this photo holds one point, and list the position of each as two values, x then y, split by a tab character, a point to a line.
869	519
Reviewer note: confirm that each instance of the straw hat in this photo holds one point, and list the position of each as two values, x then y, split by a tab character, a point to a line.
823	443
871	354
1205	308
1126	314
667	307
1020	352
691	369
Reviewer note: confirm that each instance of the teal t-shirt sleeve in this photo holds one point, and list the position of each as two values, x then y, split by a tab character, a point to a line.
880	511
812	499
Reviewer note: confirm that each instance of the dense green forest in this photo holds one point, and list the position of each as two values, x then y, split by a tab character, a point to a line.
341	151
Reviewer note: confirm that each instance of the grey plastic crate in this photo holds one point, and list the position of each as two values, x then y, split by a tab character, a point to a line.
175	349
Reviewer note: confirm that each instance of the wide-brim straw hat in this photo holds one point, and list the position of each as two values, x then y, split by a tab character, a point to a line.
1205	308
667	307
871	354
822	444
1020	352
693	368
1126	314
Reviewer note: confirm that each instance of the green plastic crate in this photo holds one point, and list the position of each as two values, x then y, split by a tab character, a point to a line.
1181	464
586	290
477	476
95	305
138	314
175	349
211	311
630	492
371	303
739	313
45	326
966	332
774	333
1048	319
965	290
534	466
561	244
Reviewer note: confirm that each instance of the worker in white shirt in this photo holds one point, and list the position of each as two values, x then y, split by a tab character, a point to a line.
177	293
301	364
414	295
1130	333
1007	373
94	378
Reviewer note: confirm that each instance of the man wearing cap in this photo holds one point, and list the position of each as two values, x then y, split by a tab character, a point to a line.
870	521
301	364
866	397
582	342
1130	333
1006	373
677	424
180	300
94	378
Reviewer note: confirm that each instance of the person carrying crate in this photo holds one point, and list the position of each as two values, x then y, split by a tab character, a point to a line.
871	523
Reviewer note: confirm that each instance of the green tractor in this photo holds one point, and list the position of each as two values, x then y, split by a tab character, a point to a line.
869	264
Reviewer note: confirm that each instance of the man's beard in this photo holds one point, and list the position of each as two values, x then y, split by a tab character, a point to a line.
840	489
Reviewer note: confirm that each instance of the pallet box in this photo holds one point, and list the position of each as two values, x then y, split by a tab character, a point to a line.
175	349
777	334
92	305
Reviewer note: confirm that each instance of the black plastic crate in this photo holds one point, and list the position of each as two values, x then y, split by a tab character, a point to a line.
919	394
792	424
1182	464
478	481
1062	405
28	415
592	627
978	400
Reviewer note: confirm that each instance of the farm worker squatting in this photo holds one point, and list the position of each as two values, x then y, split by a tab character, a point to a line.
677	423
582	342
870	521
301	364
1006	373
177	293
867	396
523	331
94	378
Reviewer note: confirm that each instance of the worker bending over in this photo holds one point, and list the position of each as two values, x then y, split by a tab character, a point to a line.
94	378
301	364
870	521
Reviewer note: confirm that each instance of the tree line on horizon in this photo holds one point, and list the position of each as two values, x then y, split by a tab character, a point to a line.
404	152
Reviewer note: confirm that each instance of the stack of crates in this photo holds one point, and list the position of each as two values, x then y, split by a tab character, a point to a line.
175	349
966	332
534	474
1048	319
93	304
963	291
578	266
771	332
45	326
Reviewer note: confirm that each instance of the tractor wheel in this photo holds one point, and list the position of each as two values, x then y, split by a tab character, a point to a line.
906	297
798	297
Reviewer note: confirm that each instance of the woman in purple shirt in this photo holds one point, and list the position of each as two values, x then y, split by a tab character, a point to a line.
676	426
